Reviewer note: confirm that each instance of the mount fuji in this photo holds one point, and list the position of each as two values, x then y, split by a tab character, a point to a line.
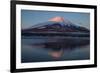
56	25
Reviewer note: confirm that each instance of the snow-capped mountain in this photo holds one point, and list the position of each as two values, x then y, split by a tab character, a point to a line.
56	24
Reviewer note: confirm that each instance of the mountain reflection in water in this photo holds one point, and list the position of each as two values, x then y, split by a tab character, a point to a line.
41	49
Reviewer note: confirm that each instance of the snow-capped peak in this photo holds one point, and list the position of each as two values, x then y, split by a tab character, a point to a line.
57	19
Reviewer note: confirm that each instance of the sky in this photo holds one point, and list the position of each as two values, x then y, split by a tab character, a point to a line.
33	17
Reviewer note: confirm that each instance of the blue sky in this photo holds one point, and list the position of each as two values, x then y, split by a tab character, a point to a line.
33	17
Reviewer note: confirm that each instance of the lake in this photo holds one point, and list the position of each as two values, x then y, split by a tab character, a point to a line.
54	48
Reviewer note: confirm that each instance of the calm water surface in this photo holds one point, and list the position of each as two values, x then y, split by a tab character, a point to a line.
54	48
